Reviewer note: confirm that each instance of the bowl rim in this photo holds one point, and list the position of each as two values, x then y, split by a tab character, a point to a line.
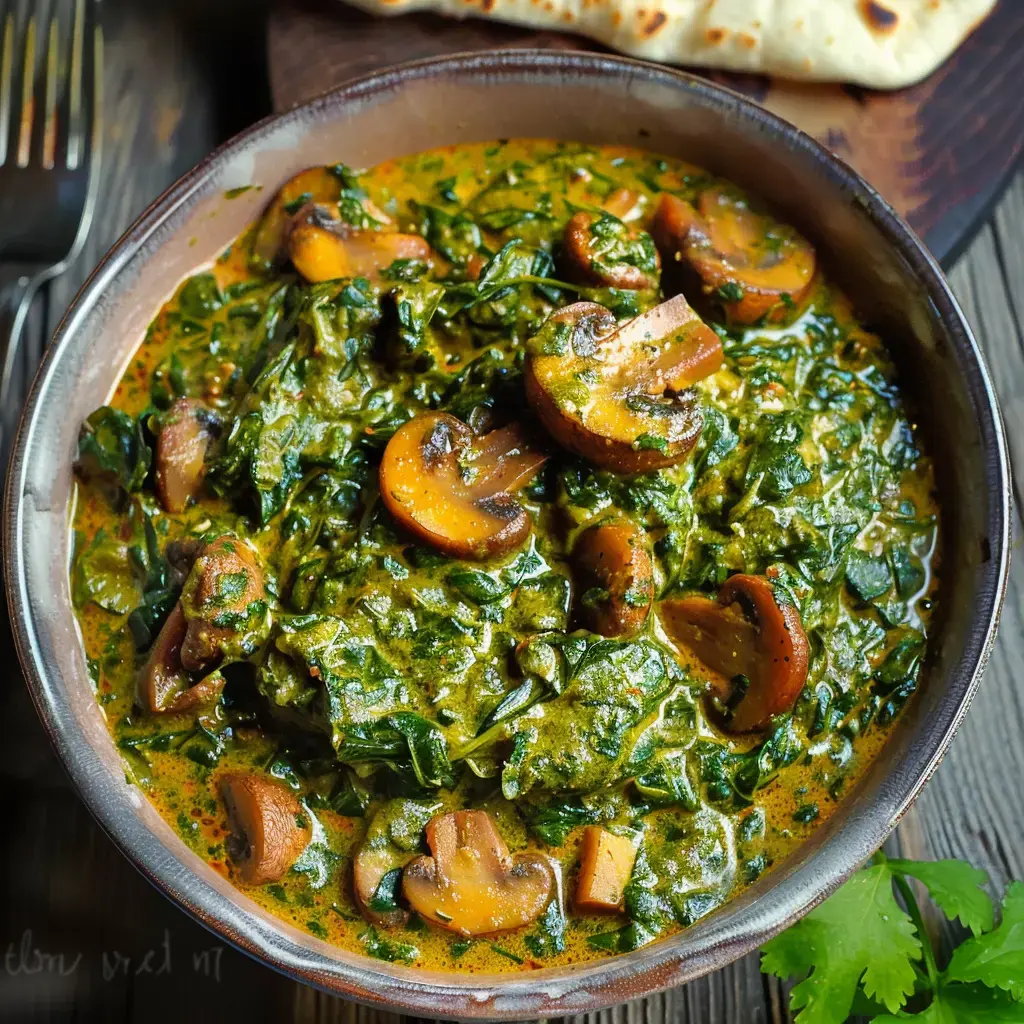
547	992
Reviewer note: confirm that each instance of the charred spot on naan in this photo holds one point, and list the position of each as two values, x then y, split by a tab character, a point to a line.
879	19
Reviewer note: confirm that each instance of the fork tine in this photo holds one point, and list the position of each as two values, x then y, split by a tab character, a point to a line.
92	76
87	82
72	117
44	101
24	111
7	71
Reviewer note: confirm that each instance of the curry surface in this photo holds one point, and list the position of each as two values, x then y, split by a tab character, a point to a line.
807	469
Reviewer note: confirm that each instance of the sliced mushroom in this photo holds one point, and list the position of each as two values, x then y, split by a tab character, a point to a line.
270	827
624	203
163	684
187	429
225	604
617	395
606	864
455	491
323	248
163	678
615	577
471	884
599	249
391	841
316	185
755	647
749	263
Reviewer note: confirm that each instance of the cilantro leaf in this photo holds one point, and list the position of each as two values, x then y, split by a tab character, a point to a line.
858	935
996	959
963	1004
956	887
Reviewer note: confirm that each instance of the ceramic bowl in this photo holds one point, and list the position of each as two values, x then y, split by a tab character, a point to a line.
898	289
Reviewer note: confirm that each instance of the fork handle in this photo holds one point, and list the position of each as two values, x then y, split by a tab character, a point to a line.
17	287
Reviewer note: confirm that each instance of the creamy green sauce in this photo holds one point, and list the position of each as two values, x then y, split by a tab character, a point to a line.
394	681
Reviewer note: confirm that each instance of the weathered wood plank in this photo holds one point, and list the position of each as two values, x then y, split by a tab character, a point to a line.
988	283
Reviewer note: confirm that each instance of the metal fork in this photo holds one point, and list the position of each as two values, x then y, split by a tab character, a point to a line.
50	132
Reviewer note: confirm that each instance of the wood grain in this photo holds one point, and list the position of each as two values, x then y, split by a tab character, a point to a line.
940	152
64	885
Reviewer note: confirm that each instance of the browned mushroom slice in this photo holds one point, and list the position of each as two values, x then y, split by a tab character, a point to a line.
617	395
614	573
599	249
316	185
163	678
606	864
755	647
185	435
163	684
471	884
455	491
270	827
753	266
225	604
323	248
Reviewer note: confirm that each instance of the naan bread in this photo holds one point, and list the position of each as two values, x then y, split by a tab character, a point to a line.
883	44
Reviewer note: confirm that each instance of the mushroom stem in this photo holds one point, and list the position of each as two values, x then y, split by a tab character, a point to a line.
606	864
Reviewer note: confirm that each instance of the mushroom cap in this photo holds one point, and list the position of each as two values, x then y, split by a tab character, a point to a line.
369	867
163	678
163	685
382	851
323	248
224	599
745	633
316	184
726	245
590	260
271	827
617	395
185	436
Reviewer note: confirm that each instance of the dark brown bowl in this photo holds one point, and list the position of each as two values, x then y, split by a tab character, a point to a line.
898	289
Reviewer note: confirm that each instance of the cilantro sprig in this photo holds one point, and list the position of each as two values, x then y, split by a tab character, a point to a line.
862	952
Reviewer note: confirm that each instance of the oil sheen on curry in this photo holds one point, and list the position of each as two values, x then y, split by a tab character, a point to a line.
502	556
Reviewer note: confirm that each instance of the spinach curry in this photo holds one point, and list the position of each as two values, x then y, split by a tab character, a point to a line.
502	556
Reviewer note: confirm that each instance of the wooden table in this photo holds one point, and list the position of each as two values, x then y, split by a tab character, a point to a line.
84	938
